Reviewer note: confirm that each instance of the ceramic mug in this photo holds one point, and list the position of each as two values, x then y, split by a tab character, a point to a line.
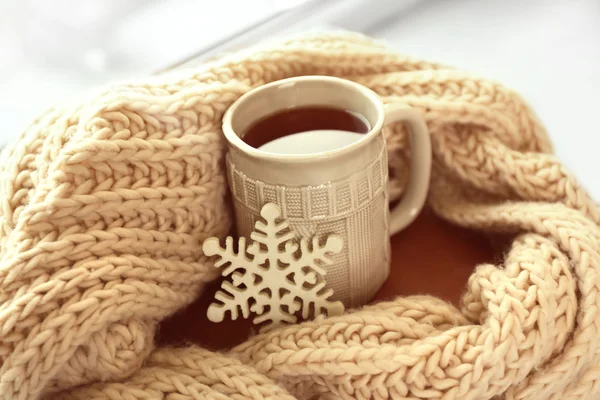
341	191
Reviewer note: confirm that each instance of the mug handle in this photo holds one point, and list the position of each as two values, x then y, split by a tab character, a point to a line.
415	195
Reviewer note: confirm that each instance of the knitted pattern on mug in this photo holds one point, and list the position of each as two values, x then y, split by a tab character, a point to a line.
105	203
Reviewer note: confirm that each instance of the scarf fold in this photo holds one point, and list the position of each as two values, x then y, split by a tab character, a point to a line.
105	203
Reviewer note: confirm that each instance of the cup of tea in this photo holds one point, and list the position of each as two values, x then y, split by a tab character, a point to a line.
314	146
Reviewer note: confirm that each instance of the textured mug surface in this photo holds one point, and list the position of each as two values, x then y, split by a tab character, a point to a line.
341	191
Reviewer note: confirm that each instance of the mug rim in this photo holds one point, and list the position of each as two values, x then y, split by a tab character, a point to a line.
237	142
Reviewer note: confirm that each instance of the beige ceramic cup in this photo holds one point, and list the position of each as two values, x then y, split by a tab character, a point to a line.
341	191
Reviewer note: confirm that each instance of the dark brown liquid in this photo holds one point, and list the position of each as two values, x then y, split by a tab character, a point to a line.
303	119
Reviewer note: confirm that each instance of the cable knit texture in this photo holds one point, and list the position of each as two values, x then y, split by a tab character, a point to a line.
106	201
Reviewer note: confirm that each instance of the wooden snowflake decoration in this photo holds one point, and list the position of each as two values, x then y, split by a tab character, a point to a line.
275	276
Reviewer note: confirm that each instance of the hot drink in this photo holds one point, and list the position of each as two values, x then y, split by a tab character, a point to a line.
306	130
323	163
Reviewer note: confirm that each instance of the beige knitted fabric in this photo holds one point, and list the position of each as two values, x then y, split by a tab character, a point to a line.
105	204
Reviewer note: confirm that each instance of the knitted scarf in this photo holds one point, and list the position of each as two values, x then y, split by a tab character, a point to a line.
105	203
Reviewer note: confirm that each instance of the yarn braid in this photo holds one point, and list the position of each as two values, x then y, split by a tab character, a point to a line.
105	203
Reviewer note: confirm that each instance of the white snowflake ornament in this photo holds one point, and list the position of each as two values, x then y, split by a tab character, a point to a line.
275	276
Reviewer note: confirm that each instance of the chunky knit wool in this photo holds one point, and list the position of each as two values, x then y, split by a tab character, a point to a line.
105	203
